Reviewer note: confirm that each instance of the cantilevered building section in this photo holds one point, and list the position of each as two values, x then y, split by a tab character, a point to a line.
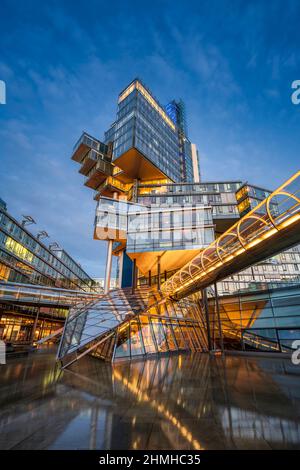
163	223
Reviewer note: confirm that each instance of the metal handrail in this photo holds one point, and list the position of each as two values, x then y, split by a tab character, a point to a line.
42	294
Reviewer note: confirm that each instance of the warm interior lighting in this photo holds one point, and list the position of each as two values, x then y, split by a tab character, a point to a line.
18	249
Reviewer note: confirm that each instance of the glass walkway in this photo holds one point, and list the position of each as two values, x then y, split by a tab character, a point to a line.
124	324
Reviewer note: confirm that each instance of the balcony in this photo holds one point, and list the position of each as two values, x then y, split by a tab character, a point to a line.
110	186
98	173
89	161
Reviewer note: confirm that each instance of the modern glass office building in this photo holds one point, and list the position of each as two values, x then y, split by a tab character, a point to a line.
25	258
171	234
154	153
145	139
35	282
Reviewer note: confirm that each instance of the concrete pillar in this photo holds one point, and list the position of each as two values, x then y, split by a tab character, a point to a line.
109	259
219	318
206	311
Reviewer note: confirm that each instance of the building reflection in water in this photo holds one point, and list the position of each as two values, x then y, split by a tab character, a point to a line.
175	402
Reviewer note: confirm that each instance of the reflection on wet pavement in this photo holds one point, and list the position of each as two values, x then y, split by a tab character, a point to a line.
176	402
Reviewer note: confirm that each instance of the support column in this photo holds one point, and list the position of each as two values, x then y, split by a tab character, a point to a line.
204	295
109	259
108	266
158	272
134	276
34	327
219	318
121	259
149	278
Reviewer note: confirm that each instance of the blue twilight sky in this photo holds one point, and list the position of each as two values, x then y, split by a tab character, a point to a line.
64	63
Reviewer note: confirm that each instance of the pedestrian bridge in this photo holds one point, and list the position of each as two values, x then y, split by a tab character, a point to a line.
33	295
272	226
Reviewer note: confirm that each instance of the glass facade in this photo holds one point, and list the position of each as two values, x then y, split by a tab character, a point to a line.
148	229
111	220
170	228
141	123
126	324
249	196
175	233
220	196
282	269
86	143
265	320
29	313
20	329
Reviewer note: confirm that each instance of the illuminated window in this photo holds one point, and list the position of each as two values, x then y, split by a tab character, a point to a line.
242	192
18	249
244	205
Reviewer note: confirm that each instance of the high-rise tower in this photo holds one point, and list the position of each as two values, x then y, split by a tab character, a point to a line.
145	139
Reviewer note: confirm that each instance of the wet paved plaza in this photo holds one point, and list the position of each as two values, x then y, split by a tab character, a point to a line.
177	402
